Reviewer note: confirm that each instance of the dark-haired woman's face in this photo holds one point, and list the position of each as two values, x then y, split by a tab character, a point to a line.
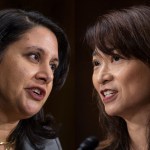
123	84
26	74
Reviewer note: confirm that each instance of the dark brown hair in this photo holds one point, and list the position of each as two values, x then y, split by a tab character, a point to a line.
128	31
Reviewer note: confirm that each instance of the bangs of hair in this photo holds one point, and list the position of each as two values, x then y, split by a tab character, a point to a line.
125	31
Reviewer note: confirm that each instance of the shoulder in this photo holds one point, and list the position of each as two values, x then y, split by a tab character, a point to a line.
49	144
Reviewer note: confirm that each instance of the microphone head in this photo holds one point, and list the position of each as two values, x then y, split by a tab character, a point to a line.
89	143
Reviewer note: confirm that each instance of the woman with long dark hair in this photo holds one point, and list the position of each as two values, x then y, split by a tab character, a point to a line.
120	43
34	61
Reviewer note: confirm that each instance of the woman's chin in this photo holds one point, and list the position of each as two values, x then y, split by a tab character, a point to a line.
29	112
112	112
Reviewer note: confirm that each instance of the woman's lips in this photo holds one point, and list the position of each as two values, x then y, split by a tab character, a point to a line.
108	95
36	93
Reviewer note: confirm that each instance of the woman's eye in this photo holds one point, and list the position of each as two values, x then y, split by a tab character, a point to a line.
96	63
53	67
116	58
34	56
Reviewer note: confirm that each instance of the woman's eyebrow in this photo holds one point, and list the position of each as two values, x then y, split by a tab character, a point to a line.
94	53
55	60
35	48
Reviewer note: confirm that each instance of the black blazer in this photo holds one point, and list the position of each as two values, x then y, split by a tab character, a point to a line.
50	144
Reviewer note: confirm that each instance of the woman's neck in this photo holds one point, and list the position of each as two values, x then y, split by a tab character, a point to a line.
138	129
7	125
6	129
138	135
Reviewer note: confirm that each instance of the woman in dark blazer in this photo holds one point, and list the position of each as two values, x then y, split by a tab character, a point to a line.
34	61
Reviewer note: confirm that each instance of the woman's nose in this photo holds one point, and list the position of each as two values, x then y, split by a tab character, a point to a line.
45	75
104	76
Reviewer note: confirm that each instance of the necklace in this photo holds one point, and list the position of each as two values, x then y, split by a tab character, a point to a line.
7	145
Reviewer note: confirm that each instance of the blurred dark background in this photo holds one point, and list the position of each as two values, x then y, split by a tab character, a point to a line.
73	107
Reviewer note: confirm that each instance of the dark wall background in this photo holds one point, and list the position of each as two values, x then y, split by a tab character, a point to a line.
73	107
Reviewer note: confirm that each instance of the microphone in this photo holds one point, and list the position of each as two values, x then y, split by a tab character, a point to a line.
89	143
